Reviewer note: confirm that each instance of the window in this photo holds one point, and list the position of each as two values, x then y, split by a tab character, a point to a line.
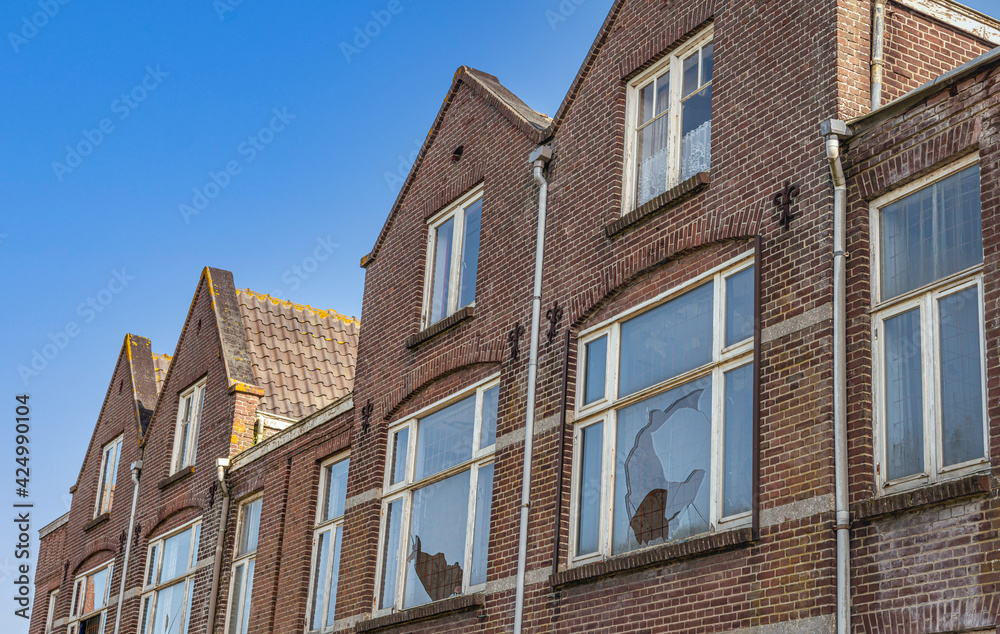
436	512
90	600
241	581
50	615
670	122
326	543
927	321
190	406
168	585
109	476
663	446
453	257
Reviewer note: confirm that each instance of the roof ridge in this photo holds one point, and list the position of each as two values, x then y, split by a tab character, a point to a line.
507	96
323	313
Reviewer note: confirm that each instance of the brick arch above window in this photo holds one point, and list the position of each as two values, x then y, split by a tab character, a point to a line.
172	515
97	553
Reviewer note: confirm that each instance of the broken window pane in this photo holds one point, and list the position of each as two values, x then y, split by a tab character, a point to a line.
445	438
596	372
739	306
436	548
666	341
588	501
737	470
904	422
481	538
961	378
491	405
390	553
663	462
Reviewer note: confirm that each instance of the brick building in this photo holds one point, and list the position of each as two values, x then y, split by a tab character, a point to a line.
748	369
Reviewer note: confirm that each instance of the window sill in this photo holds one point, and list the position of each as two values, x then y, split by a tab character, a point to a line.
97	521
661	203
431	610
663	554
180	475
445	324
942	492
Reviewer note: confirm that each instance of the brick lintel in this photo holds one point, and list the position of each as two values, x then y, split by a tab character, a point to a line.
97	521
661	203
941	492
663	554
431	610
170	479
445	324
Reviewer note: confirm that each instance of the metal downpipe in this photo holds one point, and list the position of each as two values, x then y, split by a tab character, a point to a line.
221	464
878	54
136	473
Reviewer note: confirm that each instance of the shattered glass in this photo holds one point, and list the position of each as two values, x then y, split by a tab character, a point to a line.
436	548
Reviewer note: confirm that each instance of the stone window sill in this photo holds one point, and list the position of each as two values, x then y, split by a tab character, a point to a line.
907	500
180	475
661	203
429	611
445	324
663	554
97	521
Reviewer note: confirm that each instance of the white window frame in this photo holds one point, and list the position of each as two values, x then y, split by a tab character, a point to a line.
605	410
244	560
184	456
105	489
76	619
50	616
924	298
151	587
481	457
324	526
457	211
675	64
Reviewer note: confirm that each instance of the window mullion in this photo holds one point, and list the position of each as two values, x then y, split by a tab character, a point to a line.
928	346
674	136
457	240
716	457
470	526
404	542
608	476
331	532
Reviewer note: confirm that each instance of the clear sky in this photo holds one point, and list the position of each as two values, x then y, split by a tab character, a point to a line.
119	122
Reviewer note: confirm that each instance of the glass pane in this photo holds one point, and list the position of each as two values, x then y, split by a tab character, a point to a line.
169	610
706	63
99	586
597	370
696	146
691	83
116	454
332	592
646	96
390	553
319	580
652	152
470	254
336	489
931	234
444	439
666	341
737	465
440	275
491	407
662	93
662	467
176	553
197	542
153	554
961	378
146	604
234	605
904	418
250	527
401	440
481	536
245	620
588	500
739	306
436	550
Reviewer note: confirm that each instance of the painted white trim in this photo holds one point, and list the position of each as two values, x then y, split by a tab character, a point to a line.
49	528
958	16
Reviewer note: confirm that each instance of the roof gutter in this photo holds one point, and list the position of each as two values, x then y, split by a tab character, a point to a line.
539	159
136	473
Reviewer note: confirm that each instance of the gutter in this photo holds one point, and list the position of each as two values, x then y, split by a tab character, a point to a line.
833	130
539	159
222	464
136	473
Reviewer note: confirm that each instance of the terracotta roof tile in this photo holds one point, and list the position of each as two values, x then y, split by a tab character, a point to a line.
302	357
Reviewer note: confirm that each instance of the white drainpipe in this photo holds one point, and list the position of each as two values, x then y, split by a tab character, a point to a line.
136	472
222	464
878	56
833	130
539	159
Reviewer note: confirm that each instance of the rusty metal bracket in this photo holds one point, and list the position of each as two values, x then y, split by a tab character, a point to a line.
784	201
514	340
554	315
366	416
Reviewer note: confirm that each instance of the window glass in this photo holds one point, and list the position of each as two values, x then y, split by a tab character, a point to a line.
442	270
904	395
470	254
445	438
652	150
234	607
739	306
737	495
961	377
176	554
336	489
332	592
250	527
589	489
491	406
390	554
435	552
319	579
596	371
400	444
481	537
170	605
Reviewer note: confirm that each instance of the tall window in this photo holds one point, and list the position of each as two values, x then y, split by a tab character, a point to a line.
326	544
241	581
50	616
189	408
928	330
109	476
436	512
663	446
169	582
453	257
90	600
670	129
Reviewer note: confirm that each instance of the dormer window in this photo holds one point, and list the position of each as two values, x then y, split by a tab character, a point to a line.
109	476
453	257
189	408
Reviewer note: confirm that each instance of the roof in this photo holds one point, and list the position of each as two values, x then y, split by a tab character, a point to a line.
302	357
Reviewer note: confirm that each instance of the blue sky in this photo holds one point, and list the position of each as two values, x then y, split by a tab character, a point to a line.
143	141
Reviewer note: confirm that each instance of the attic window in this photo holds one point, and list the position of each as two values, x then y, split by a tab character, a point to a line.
456	156
453	258
189	408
